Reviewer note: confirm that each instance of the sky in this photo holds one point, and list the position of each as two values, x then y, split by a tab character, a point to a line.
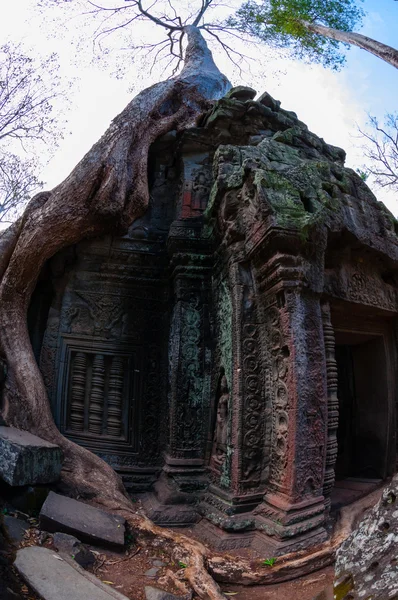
332	104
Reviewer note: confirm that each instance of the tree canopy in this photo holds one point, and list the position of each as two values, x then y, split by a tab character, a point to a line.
312	29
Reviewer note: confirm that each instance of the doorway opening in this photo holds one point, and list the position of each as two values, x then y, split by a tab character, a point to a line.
363	433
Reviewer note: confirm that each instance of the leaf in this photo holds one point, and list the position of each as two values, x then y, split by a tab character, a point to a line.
269	562
230	593
182	565
108	582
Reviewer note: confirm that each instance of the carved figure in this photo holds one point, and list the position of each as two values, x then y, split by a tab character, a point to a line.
221	428
200	191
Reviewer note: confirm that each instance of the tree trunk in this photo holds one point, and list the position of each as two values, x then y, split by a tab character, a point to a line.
105	193
386	53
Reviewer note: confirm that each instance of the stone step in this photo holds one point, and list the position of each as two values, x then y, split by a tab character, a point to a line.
88	524
26	459
56	578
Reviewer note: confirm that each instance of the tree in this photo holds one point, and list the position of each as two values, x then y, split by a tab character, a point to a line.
313	29
28	88
17	183
105	193
381	148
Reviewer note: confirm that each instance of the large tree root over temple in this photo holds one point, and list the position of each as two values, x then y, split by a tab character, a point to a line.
105	193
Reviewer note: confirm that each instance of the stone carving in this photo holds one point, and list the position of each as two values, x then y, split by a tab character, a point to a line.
115	396
189	432
333	404
253	415
278	363
200	190
282	207
105	310
78	391
96	406
220	437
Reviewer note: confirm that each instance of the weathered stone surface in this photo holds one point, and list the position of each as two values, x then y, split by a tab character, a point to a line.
87	523
367	562
152	593
241	92
15	528
55	578
152	572
26	459
276	265
72	547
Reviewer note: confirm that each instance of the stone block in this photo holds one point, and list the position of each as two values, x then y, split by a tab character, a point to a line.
25	459
88	524
55	578
72	547
15	528
152	593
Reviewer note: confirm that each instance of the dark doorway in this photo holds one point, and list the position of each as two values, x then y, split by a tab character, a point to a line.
364	408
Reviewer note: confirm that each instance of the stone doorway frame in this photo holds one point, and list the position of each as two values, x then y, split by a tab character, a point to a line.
349	319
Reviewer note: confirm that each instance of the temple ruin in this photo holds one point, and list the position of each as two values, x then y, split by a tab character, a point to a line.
233	355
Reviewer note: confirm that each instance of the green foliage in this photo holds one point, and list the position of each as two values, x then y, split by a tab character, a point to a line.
363	174
269	562
284	24
182	565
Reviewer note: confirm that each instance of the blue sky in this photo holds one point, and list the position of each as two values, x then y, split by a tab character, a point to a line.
330	103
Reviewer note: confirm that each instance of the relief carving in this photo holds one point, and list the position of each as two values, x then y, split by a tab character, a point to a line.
333	404
200	190
278	363
220	438
105	310
253	417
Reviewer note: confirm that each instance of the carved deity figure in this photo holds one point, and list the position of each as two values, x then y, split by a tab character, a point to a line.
219	449
200	191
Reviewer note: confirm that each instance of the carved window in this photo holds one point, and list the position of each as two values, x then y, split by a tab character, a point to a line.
98	384
98	394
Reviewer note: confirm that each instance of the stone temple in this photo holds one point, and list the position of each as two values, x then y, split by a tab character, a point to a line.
233	355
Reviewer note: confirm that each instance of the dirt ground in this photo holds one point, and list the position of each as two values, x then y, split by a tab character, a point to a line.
130	572
129	578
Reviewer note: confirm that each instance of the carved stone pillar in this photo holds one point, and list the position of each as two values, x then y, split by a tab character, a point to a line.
238	487
291	515
183	477
333	404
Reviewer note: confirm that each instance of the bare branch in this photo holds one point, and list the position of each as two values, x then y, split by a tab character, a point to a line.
381	149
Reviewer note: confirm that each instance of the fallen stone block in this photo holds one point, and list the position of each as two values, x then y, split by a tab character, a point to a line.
152	593
88	524
72	547
25	459
55	578
15	528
